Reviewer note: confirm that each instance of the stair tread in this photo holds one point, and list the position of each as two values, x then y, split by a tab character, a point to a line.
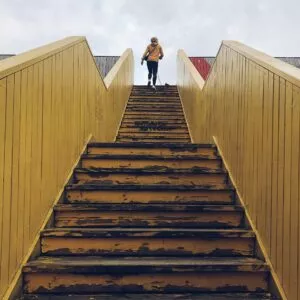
151	296
160	187
194	208
152	171
94	261
147	232
187	146
150	157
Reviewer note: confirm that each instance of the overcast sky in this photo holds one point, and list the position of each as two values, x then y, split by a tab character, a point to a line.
111	26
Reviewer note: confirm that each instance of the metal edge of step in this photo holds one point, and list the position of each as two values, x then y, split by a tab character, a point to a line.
148	187
154	296
153	145
130	207
156	170
180	157
144	264
157	233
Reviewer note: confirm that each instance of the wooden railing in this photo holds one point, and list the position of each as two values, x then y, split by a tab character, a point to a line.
250	106
52	101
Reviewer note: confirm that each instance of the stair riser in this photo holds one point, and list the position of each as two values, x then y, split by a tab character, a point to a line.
152	140
154	134
154	104
177	164
221	219
153	114
208	152
119	196
234	281
148	246
152	93
152	127
186	179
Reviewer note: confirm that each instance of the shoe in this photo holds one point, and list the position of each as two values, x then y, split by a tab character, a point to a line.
149	83
154	87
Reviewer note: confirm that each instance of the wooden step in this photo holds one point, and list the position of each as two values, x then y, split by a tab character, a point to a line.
150	215
83	193
158	141
154	134
154	112
147	242
160	118
157	103
157	93
139	296
150	161
143	275
165	150
152	128
146	176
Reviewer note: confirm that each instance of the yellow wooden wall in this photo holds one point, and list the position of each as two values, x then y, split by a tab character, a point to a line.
51	100
250	106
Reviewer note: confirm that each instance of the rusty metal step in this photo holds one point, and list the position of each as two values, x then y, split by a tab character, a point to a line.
148	215
156	103
162	140
154	135
152	108
130	193
164	149
149	176
139	296
145	274
155	113
147	242
152	127
150	161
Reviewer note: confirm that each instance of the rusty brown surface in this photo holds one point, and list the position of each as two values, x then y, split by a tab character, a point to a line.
115	196
149	163
148	219
192	282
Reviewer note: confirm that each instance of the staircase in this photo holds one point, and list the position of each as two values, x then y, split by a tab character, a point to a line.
154	117
152	216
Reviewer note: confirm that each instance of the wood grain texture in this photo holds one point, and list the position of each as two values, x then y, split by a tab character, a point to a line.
51	100
250	105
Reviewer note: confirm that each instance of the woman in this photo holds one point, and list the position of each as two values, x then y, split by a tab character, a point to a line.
153	52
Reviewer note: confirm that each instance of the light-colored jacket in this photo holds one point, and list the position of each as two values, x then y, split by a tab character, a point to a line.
154	52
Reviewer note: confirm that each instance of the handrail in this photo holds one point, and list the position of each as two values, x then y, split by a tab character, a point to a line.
52	101
24	60
250	107
276	66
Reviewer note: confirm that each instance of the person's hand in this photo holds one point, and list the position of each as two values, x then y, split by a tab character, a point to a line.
142	62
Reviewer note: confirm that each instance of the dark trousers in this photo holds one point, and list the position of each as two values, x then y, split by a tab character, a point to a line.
152	68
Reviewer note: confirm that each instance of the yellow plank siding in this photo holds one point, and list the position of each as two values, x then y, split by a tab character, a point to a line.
14	220
52	99
2	139
250	105
294	219
8	146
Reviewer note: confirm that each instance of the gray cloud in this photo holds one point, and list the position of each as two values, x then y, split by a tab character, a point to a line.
111	26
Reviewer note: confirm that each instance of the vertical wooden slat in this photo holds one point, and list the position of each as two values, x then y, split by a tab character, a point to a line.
3	88
287	188
7	181
275	129
14	220
28	159
295	216
280	183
